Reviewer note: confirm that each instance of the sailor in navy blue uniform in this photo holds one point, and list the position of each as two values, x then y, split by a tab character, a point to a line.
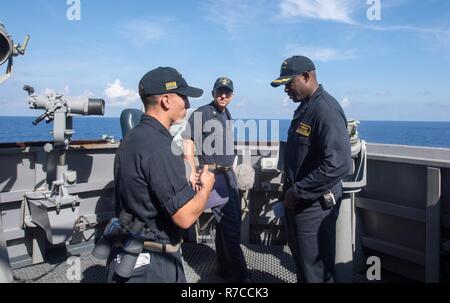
317	158
151	184
219	156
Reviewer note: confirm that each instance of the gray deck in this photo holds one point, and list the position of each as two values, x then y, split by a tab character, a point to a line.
266	264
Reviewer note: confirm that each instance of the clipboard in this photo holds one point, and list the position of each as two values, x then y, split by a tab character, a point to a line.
219	195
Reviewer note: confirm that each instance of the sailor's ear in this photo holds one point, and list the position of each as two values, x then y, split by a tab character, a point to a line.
212	93
165	102
307	77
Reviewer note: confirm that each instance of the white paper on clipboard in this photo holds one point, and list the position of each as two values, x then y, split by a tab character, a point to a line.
219	195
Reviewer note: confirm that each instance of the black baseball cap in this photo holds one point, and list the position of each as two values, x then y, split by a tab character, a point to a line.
293	67
223	82
166	80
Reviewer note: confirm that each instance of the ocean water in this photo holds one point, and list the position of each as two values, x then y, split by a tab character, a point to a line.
431	134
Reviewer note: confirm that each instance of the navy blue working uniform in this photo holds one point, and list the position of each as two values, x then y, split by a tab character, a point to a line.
230	258
151	184
317	158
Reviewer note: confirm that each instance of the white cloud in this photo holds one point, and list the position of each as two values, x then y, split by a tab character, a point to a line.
66	90
142	31
435	38
118	96
232	14
50	91
342	11
83	97
333	10
345	103
320	53
407	29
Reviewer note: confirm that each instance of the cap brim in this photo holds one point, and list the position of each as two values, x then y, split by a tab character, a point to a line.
189	91
281	81
222	86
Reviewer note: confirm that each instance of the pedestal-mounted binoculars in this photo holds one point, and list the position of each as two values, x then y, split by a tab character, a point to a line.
8	50
61	110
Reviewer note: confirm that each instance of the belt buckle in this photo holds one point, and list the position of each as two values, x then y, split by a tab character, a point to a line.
223	169
211	167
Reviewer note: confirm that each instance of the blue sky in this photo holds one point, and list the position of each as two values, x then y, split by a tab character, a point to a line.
396	68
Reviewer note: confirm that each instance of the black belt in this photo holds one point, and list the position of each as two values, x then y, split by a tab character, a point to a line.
161	248
219	168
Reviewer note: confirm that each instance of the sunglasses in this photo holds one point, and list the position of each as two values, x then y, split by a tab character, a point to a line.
220	91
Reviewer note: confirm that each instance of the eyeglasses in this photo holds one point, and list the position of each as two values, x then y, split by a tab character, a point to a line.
221	91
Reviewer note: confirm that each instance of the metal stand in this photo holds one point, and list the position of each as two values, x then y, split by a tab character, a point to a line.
344	242
346	221
433	226
5	266
56	211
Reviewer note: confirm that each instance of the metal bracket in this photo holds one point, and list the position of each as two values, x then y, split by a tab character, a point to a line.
56	217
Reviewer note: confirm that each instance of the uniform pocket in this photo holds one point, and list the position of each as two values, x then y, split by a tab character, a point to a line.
337	191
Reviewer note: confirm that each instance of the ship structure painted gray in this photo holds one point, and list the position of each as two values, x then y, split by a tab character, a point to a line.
404	211
346	221
5	266
398	215
60	194
8	50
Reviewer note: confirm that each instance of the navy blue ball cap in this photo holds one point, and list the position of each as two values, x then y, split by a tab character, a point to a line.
166	80
293	67
223	82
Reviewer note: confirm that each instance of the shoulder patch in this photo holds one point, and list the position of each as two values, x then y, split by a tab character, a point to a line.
304	130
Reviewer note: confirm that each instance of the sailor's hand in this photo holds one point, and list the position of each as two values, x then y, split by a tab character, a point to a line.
290	201
207	178
194	179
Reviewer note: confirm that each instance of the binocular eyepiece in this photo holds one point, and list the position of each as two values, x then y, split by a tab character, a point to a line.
84	107
95	107
29	89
